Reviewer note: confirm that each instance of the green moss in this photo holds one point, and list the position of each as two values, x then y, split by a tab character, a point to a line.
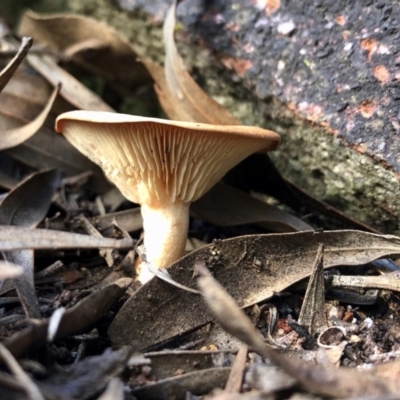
324	166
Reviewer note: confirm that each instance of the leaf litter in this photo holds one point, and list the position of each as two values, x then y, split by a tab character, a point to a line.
252	268
73	295
26	205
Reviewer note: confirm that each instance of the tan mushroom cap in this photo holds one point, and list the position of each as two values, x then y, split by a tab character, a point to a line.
156	161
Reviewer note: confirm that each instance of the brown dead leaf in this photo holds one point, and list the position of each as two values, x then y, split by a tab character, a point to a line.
187	101
164	364
71	89
196	382
131	220
86	378
224	205
48	150
164	94
27	94
321	379
312	313
252	268
17	238
234	382
94	45
107	254
26	205
7	182
14	137
7	73
75	319
21	100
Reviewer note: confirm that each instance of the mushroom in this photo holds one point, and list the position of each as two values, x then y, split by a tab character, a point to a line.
162	165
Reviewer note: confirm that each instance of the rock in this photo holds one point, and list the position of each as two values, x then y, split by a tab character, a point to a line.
324	75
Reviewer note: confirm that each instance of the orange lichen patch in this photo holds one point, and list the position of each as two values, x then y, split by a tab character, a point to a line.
270	6
367	108
314	112
369	45
360	148
239	65
382	74
341	20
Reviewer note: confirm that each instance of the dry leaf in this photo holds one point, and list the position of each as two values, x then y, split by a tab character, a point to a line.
21	100
164	364
326	380
250	267
7	73
75	319
224	205
167	99
14	137
71	89
17	238
234	382
86	378
26	205
49	150
312	313
27	94
179	94
131	220
94	45
197	382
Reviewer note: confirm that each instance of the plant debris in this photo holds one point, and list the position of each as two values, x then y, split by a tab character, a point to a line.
267	302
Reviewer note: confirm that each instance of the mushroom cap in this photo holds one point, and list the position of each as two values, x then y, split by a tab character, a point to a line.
159	162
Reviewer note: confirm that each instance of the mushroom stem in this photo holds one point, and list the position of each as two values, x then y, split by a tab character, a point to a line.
165	233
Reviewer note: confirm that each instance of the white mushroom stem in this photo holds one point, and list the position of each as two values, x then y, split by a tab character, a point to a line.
165	233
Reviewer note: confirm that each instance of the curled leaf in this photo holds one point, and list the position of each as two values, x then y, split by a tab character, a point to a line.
186	100
94	45
9	70
14	137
